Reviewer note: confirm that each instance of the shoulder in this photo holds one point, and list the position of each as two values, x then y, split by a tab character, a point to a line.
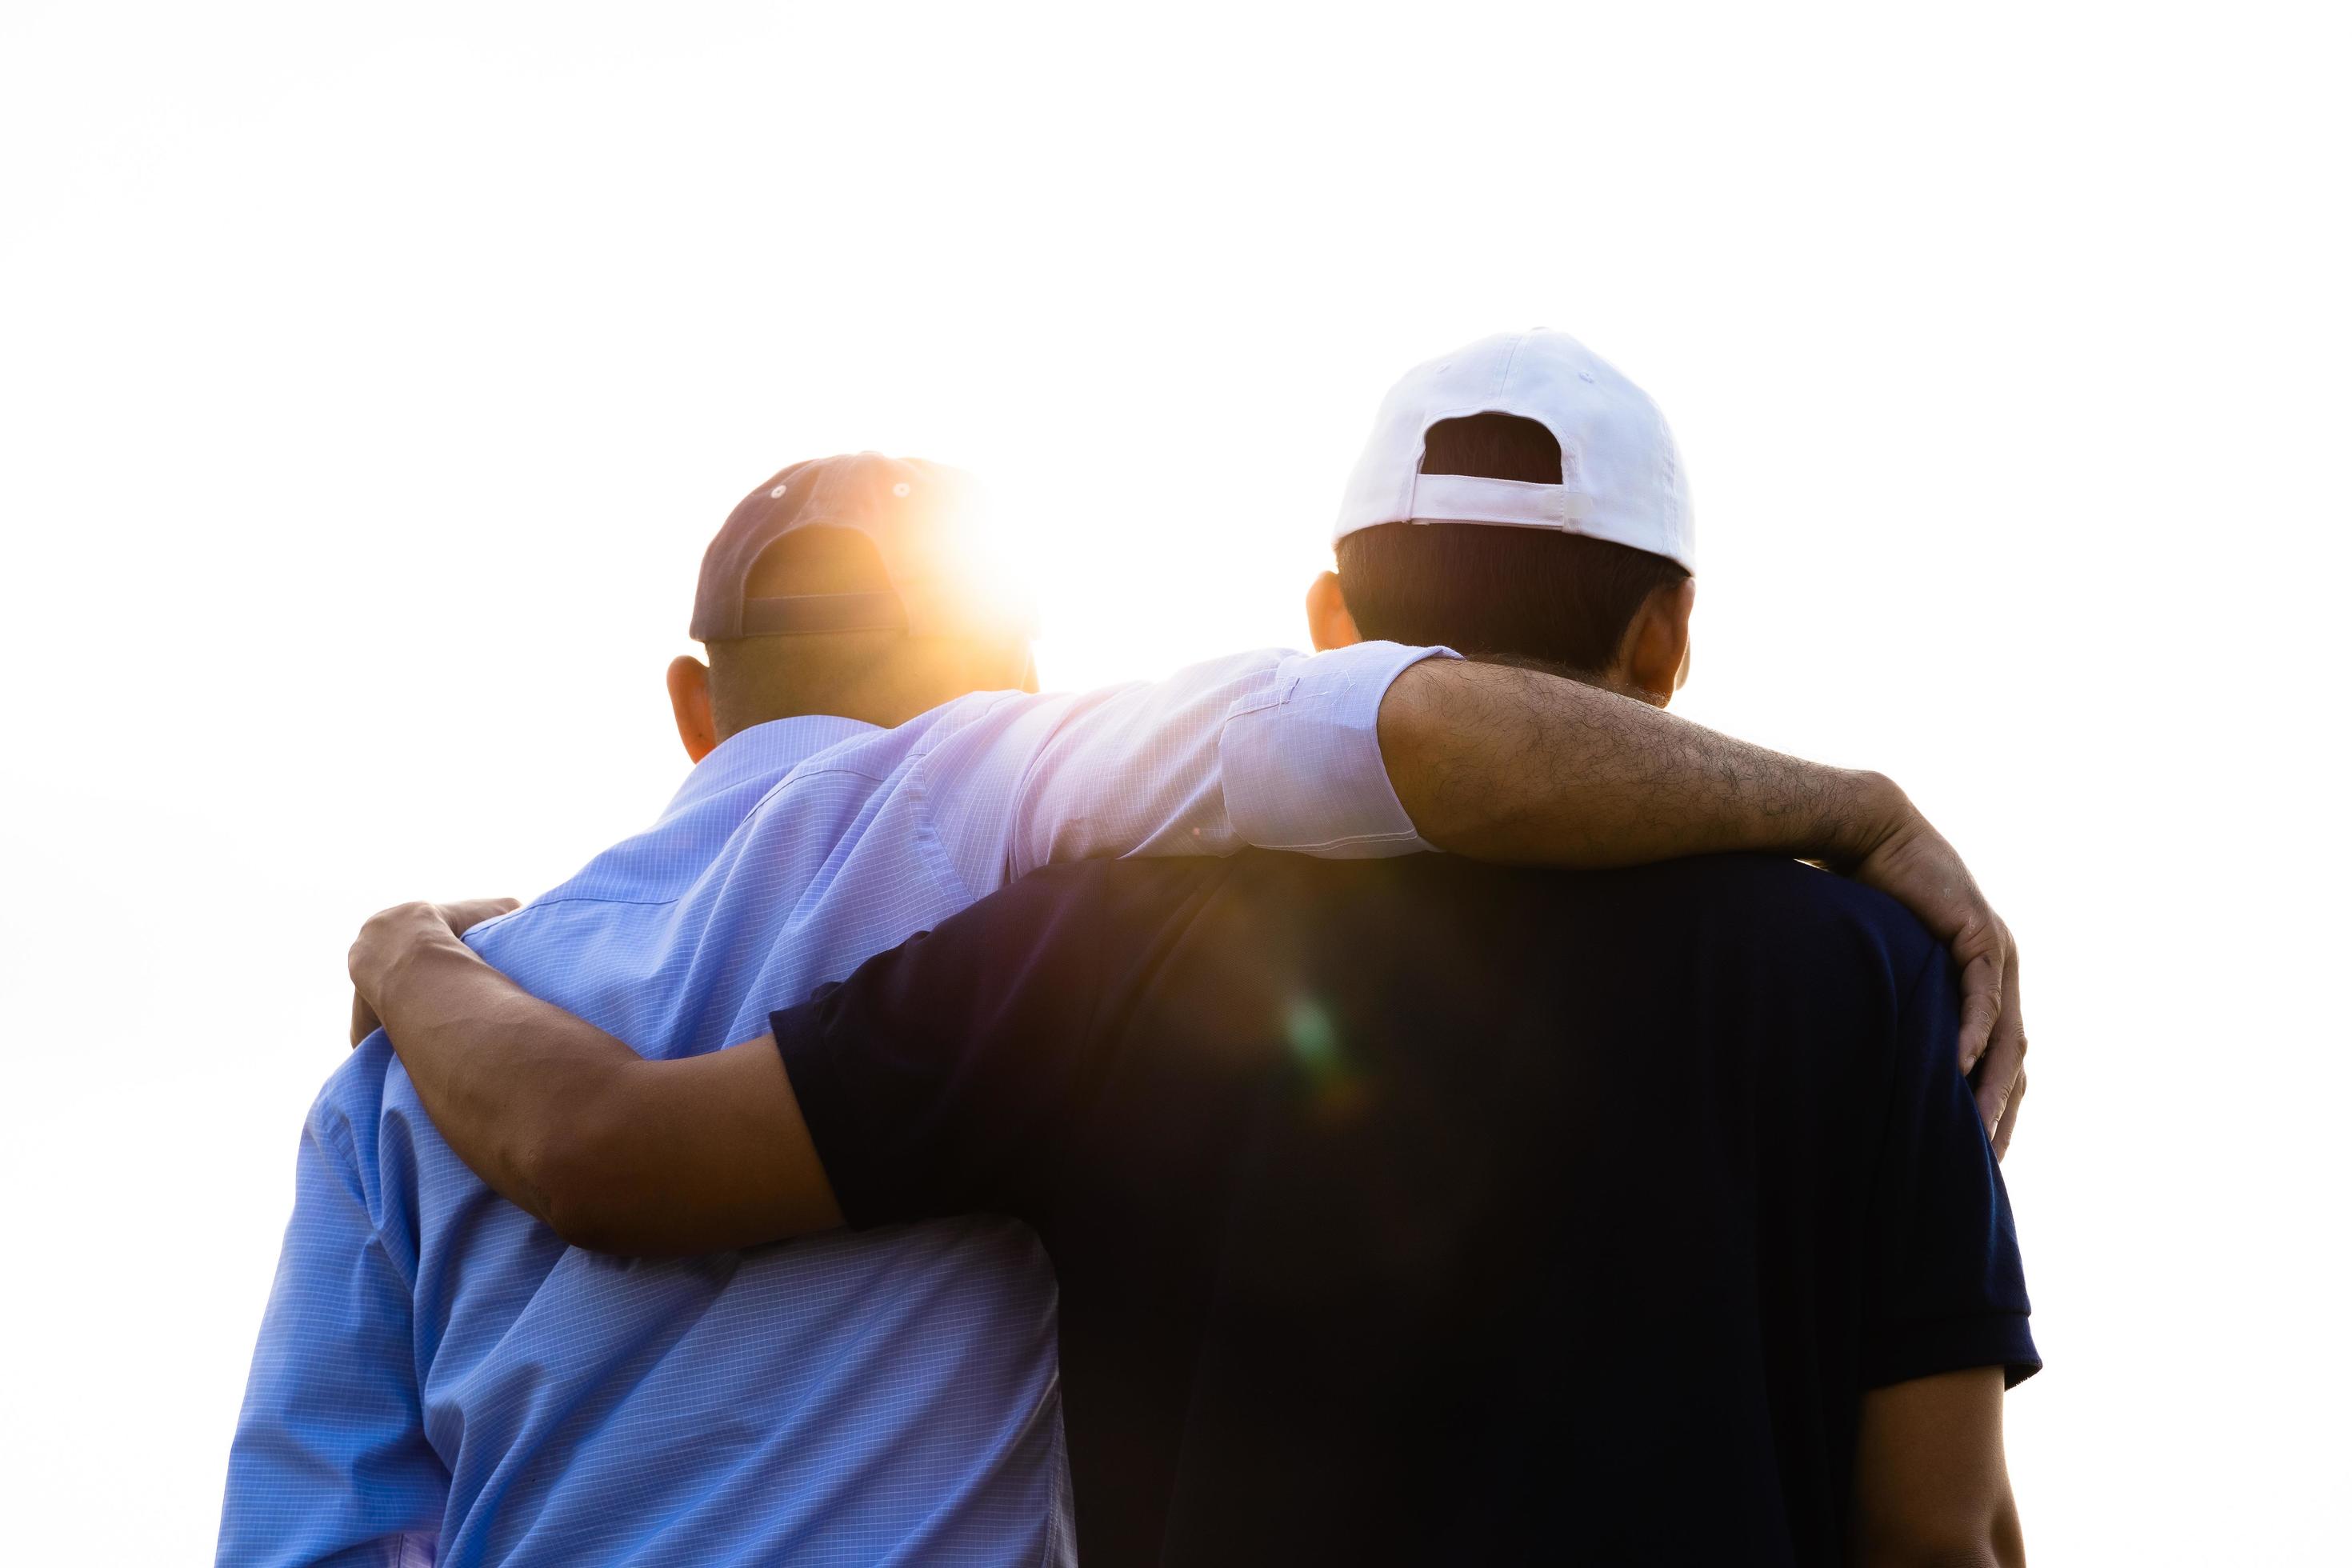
349	1103
1211	679
1805	928
346	1122
1782	913
1782	906
1126	891
1768	884
1083	918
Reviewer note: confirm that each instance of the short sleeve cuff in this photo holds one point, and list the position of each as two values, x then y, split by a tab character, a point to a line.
1910	1351
866	1194
1302	761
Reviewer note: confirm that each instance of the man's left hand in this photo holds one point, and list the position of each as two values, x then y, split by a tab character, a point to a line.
390	932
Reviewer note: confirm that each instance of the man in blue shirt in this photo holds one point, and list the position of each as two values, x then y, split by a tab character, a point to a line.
440	1378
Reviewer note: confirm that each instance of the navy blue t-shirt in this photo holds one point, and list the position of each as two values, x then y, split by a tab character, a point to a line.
1421	1211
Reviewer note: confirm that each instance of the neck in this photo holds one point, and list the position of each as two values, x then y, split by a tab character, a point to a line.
884	709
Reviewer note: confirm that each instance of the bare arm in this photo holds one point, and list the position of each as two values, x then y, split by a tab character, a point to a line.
1930	1481
1519	766
615	1152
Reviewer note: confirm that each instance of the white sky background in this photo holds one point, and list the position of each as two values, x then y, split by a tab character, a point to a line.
369	382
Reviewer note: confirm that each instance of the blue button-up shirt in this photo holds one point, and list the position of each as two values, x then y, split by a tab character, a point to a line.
440	1378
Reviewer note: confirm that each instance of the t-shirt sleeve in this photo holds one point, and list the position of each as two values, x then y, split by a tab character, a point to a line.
1269	749
1946	1288
949	1075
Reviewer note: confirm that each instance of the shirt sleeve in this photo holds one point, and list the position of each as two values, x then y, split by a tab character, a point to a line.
1947	1287
329	1455
1276	750
950	1074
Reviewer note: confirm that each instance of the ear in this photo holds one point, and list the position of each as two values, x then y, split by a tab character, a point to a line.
689	703
1657	645
1329	624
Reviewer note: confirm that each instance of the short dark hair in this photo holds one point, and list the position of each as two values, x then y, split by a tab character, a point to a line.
1526	594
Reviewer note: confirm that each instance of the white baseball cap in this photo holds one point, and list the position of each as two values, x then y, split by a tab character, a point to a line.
1620	478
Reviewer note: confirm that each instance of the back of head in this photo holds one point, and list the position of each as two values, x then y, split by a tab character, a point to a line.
846	586
853	674
1534	595
1522	500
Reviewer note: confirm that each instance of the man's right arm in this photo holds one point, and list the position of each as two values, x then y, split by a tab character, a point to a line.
940	1079
1930	1481
1382	750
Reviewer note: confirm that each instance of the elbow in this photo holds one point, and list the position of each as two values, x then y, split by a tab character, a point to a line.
1983	1541
574	1207
1953	1554
570	1175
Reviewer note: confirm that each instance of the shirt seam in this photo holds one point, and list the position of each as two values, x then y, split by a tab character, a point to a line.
1024	791
927	840
548	900
806	773
1394	836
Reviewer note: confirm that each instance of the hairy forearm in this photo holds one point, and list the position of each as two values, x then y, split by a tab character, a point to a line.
1511	764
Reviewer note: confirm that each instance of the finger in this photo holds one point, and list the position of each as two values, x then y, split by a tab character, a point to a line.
1997	1080
467	914
363	1019
1980	991
2009	1028
2009	1120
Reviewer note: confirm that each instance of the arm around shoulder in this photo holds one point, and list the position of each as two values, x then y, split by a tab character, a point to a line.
1517	765
1504	763
676	1157
614	1153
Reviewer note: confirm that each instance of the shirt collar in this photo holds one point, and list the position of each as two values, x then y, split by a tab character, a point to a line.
766	750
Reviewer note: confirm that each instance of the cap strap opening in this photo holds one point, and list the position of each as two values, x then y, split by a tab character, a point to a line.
802	613
1466	498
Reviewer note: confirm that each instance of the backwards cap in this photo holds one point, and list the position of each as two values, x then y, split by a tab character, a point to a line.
910	510
1620	478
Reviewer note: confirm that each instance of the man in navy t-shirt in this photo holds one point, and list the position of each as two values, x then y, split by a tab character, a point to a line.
1423	1211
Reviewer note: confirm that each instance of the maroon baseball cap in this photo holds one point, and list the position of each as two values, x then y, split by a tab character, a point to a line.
914	512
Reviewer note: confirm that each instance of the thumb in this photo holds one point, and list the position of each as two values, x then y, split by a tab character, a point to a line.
467	914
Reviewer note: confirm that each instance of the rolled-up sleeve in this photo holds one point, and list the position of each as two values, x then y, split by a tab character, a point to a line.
1273	748
1302	760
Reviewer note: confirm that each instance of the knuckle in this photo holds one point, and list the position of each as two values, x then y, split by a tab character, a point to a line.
1978	937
